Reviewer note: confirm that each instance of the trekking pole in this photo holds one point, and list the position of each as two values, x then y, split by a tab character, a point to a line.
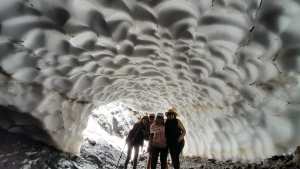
121	155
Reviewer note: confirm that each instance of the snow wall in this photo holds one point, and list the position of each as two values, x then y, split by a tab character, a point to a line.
230	67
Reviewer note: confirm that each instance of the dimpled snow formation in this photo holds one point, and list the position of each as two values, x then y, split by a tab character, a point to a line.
230	67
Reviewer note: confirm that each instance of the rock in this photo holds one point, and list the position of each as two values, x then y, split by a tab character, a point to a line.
212	160
297	155
91	142
20	152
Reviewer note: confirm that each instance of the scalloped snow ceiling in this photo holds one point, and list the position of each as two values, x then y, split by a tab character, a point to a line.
230	67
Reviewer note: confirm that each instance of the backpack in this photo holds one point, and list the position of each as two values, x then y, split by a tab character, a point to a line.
136	135
159	138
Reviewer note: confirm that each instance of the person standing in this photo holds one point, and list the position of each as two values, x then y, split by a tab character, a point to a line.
175	133
158	142
151	121
135	140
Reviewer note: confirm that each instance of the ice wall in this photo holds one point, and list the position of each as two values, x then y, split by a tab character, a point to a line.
231	67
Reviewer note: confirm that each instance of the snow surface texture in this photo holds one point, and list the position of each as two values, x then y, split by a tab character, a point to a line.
230	67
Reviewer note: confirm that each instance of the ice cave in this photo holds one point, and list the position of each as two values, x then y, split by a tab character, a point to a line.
230	67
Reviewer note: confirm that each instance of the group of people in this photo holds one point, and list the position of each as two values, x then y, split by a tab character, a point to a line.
164	136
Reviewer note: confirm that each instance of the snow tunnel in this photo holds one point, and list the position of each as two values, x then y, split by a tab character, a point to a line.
230	67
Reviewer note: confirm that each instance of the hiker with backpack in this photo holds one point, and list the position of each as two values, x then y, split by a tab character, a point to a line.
158	143
174	132
151	121
135	140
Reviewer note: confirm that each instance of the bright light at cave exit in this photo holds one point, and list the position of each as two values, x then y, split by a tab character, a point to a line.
107	115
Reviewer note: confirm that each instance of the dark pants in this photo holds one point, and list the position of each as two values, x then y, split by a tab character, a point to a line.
149	161
163	153
136	155
175	150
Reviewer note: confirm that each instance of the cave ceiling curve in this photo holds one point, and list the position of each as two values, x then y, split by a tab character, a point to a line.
230	67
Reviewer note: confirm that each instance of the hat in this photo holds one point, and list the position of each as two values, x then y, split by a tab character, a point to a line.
171	111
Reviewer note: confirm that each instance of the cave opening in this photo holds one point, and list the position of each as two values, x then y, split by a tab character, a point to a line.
110	123
230	67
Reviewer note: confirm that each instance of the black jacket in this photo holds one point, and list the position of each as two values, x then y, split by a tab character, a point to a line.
172	131
137	134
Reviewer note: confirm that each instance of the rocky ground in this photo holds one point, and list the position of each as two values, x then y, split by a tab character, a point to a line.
20	152
276	162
